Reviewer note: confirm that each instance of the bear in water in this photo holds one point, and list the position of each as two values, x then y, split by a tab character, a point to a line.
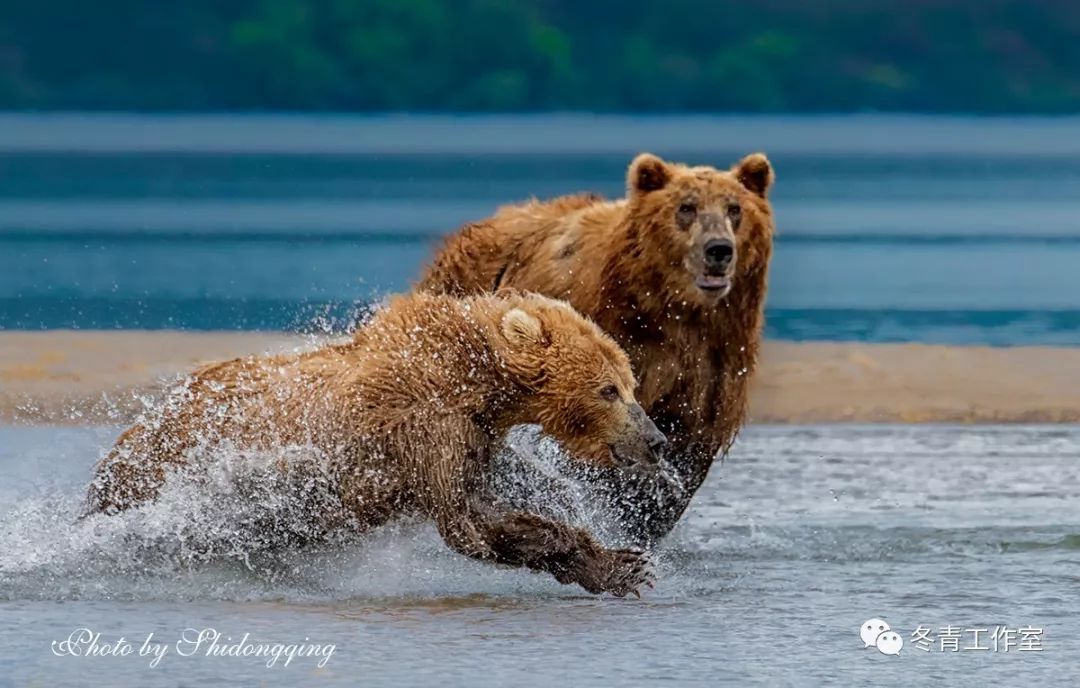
403	419
675	272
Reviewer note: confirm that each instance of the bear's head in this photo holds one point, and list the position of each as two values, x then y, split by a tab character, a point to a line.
578	383
705	229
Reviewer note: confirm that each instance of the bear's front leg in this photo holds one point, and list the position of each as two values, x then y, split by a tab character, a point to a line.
570	554
450	485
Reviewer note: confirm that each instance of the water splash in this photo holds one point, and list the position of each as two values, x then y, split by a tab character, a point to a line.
240	528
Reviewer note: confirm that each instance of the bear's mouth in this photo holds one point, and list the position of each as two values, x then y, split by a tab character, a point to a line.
619	459
713	283
624	462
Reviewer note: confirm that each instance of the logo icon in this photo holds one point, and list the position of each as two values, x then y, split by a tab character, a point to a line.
878	633
889	643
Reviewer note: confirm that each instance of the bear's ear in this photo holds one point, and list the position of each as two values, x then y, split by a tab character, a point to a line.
523	329
755	173
647	173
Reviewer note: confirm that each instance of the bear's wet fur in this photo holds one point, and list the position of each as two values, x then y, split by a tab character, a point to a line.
676	273
403	418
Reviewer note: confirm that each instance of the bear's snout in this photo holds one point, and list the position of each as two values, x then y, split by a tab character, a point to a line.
719	255
655	442
640	444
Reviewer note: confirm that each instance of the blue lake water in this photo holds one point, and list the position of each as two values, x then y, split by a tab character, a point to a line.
890	228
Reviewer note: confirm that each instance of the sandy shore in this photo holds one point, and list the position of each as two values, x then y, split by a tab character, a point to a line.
92	377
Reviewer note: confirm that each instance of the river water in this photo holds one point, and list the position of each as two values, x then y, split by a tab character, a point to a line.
804	534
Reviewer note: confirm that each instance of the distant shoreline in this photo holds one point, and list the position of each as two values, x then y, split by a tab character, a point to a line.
93	377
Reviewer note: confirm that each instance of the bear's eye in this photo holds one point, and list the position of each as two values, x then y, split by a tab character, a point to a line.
610	393
687	209
734	212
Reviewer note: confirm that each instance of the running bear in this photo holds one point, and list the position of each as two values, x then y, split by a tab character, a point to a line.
676	273
404	417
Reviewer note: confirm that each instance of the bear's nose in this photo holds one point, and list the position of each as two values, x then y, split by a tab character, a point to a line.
657	443
719	253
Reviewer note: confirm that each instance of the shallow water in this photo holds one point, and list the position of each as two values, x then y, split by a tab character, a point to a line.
800	537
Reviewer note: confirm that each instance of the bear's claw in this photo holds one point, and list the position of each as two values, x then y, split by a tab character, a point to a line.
619	572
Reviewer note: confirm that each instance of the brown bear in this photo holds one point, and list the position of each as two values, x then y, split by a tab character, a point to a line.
675	273
402	419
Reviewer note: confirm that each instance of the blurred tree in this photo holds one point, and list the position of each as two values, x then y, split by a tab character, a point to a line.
507	55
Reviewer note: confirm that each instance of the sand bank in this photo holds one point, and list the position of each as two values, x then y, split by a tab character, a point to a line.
95	377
